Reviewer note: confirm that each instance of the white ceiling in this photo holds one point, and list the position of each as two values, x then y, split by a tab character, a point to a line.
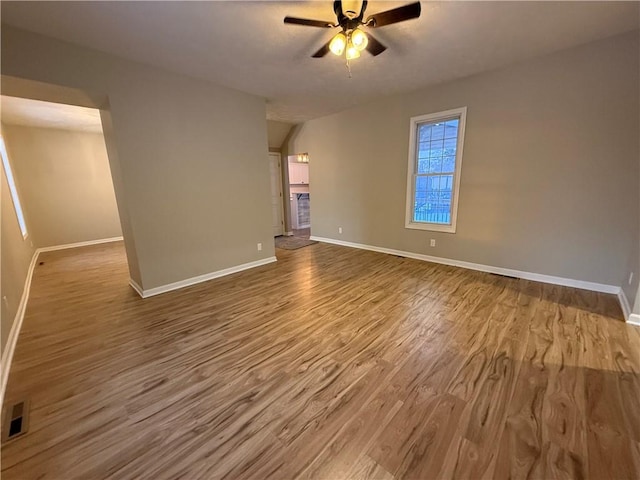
35	113
245	45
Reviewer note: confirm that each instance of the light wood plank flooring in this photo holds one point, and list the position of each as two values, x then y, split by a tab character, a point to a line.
332	363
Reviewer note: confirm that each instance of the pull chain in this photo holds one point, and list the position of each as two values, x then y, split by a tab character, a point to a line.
349	68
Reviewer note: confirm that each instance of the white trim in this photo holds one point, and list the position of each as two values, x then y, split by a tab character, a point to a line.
634	319
199	279
80	244
624	304
9	349
278	155
538	277
12	340
460	113
136	287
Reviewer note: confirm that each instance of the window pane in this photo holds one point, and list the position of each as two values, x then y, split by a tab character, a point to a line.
437	131
451	129
448	164
424	133
423	157
430	153
433	182
450	146
433	199
423	165
435	148
444	210
447	182
435	165
423	148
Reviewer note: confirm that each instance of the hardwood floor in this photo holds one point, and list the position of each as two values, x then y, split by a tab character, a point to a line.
331	363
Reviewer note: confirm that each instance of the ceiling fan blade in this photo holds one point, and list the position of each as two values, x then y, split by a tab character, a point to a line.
308	23
400	14
323	50
374	47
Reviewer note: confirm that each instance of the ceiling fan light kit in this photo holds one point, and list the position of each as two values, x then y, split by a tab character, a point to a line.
352	39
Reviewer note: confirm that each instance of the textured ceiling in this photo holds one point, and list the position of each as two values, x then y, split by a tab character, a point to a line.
245	45
35	113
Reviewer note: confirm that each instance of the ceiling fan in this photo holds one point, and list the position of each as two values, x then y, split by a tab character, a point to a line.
352	39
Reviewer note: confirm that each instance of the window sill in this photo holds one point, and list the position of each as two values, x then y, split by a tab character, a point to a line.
431	227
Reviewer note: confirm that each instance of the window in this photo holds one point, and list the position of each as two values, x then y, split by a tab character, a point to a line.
433	179
12	188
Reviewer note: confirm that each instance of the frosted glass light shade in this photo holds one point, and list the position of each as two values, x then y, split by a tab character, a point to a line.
338	43
359	39
352	52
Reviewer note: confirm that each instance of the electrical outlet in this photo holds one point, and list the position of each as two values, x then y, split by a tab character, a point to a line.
259	246
339	229
630	278
433	242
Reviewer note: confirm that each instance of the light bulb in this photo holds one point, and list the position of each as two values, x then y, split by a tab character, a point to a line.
337	44
359	39
352	52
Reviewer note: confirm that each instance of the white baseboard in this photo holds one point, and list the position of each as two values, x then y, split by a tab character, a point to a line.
199	279
634	319
624	304
79	244
136	287
9	349
538	277
7	354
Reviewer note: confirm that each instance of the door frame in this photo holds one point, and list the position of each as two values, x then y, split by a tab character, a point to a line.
274	155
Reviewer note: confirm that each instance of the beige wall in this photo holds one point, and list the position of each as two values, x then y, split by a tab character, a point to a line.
15	257
66	186
550	177
188	157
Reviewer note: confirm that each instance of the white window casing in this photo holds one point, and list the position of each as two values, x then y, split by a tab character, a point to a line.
435	217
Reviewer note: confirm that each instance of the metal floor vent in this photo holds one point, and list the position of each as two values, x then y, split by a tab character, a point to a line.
16	421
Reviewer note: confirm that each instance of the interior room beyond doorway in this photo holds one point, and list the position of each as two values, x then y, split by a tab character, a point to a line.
299	196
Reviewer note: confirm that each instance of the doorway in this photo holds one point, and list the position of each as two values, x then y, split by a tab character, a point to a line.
299	196
60	164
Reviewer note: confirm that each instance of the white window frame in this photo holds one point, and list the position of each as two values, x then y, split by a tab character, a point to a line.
12	188
461	114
